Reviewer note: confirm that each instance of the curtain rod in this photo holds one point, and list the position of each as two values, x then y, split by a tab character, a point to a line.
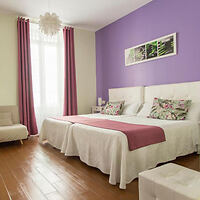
36	21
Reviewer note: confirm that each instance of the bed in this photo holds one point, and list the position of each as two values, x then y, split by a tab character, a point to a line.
55	132
108	150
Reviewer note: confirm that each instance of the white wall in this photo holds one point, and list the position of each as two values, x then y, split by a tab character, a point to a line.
8	60
85	61
84	58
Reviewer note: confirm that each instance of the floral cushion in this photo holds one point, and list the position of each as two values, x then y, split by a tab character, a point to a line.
113	108
170	109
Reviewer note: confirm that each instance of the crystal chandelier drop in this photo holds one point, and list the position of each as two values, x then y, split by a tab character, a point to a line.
49	24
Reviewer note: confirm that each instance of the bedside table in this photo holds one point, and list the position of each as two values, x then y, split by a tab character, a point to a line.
97	109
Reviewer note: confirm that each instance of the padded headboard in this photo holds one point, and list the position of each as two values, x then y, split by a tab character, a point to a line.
189	90
129	94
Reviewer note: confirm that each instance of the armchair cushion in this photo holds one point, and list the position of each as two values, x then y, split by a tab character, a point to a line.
5	119
14	110
13	132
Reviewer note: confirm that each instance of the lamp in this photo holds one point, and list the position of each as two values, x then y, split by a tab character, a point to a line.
50	23
99	101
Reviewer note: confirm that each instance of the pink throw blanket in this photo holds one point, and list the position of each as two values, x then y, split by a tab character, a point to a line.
138	135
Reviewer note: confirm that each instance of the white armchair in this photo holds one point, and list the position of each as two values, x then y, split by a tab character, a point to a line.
14	131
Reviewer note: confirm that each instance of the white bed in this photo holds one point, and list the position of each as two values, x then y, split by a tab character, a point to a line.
55	132
108	149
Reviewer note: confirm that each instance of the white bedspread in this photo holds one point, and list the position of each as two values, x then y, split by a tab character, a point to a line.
55	132
108	149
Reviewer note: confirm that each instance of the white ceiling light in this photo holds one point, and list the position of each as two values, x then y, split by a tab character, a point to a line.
50	24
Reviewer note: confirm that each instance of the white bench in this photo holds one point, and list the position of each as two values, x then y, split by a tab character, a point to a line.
169	182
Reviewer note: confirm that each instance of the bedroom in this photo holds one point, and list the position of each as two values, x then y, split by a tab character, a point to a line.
34	170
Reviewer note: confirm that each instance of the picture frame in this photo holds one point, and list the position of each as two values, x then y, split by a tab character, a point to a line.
155	49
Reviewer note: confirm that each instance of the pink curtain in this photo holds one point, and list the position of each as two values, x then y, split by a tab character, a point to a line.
70	95
26	104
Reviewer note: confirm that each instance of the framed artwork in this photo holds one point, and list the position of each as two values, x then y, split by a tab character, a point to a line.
155	49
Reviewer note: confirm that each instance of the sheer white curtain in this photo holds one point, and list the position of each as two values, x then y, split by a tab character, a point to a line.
47	73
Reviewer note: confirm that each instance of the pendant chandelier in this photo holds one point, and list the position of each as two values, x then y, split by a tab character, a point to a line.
49	24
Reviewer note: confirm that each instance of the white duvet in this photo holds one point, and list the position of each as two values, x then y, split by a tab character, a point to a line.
55	132
108	149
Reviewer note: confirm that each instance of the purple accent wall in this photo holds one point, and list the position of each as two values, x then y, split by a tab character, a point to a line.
156	19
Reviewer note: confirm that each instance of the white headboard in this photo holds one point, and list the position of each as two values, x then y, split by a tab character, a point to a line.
189	90
129	94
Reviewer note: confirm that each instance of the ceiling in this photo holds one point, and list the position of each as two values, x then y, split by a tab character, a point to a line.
86	14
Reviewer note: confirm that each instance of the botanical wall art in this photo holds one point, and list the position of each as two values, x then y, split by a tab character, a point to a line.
158	48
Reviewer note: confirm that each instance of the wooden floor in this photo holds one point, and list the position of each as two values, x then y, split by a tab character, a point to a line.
35	172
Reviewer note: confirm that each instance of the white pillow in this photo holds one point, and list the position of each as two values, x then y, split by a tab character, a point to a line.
6	119
194	112
145	111
131	109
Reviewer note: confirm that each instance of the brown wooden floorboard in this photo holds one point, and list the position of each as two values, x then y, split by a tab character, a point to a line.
39	172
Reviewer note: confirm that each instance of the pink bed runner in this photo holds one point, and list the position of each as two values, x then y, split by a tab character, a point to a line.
138	135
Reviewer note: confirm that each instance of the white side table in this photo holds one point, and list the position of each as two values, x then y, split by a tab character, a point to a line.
97	109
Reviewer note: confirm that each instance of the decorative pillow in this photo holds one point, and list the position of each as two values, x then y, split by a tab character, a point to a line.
131	109
145	110
170	109
113	108
6	119
194	112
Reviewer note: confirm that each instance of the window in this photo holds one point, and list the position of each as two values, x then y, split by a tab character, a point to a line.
47	73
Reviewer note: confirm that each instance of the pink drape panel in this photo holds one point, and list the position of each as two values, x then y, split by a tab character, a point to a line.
26	104
70	95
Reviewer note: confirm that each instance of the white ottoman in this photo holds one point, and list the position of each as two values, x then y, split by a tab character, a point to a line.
169	182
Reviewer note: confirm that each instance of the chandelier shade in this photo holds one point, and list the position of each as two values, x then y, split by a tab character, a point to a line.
49	24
